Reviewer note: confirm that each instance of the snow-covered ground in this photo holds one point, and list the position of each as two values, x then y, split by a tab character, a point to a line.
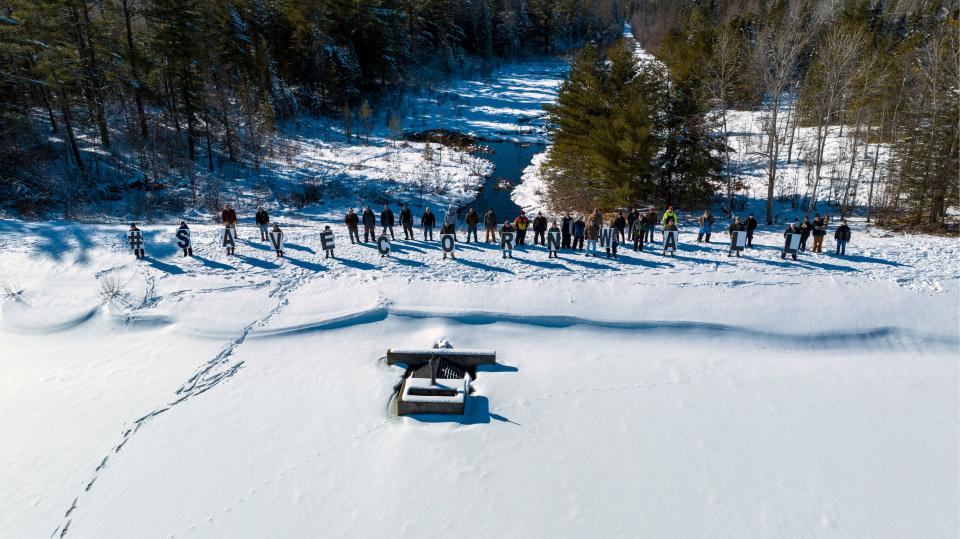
691	395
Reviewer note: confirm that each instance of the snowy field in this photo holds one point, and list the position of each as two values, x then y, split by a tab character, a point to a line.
695	395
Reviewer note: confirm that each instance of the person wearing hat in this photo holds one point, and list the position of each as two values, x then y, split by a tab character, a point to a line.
506	228
369	225
751	226
428	220
279	234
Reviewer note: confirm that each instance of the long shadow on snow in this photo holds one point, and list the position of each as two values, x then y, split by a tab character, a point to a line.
853	339
309	266
477	412
163	266
481	266
213	263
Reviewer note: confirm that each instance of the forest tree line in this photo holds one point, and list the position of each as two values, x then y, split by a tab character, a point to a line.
180	84
882	74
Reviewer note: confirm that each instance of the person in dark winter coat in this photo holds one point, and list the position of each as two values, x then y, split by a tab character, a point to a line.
406	221
819	231
805	228
507	227
706	226
229	218
490	226
352	220
386	221
539	229
579	231
842	236
632	217
651	219
554	229
735	226
263	220
521	224
638	231
369	225
566	230
428	220
472	219
792	229
619	226
751	226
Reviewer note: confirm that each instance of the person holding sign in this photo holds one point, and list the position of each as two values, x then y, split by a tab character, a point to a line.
553	240
579	230
450	219
263	221
327	242
448	242
229	218
135	240
671	236
819	231
506	240
276	239
183	239
667	215
791	241
738	236
229	240
609	239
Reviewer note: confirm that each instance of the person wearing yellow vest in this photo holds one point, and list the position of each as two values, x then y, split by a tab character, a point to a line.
669	214
521	223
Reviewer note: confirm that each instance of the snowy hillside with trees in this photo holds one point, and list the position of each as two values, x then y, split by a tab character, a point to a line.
189	391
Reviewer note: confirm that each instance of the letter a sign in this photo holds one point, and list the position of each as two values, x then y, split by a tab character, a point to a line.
228	240
670	241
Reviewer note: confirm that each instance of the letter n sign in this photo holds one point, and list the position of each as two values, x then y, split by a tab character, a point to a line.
553	242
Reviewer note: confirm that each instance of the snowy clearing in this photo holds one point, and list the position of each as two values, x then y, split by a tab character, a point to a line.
689	395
